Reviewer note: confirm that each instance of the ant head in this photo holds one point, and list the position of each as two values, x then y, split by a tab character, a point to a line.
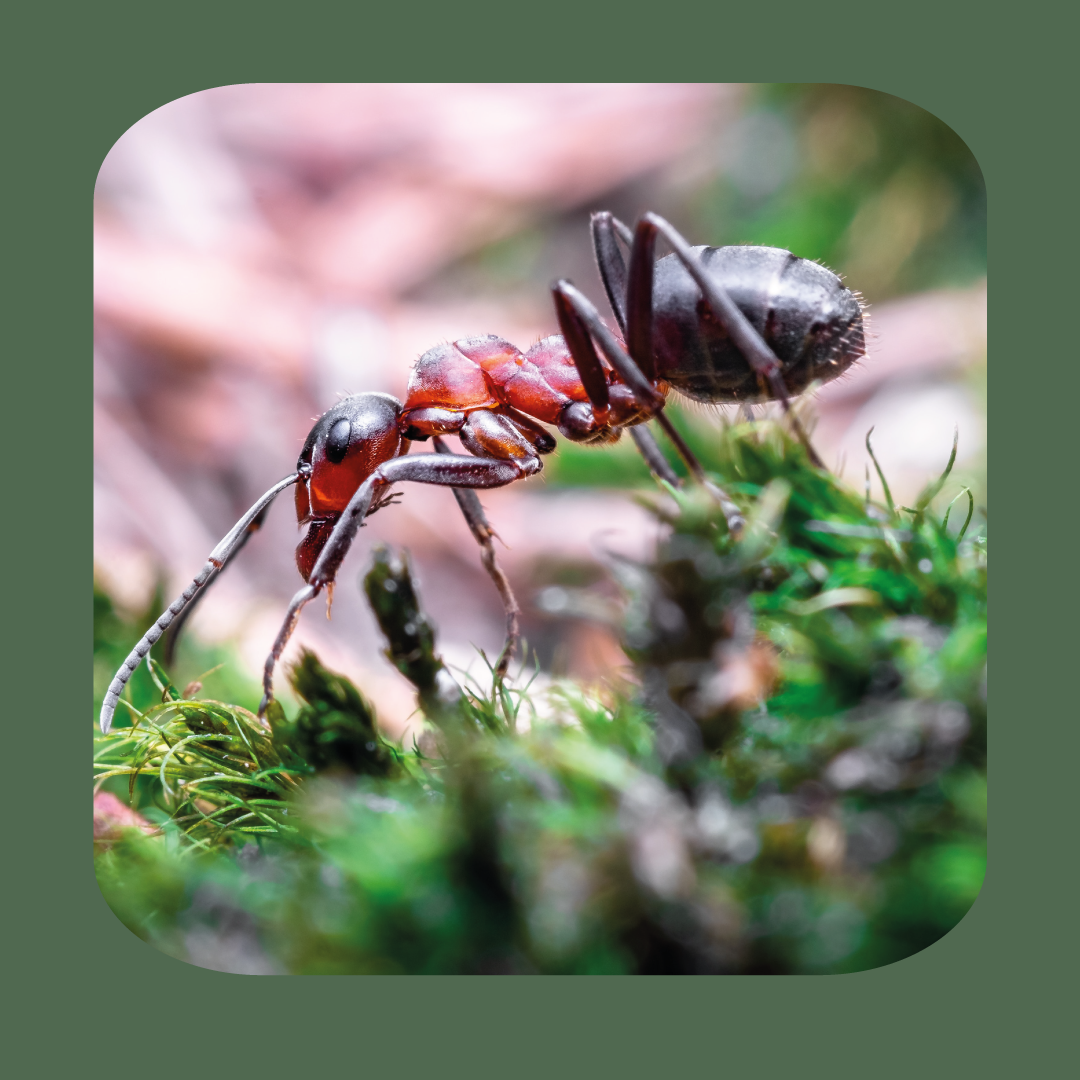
347	444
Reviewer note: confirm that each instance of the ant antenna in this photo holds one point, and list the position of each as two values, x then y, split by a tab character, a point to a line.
232	543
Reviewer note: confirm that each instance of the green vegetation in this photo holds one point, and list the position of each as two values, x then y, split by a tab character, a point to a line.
873	186
869	184
795	782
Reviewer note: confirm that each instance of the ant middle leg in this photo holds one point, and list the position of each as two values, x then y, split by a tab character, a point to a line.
580	323
650	450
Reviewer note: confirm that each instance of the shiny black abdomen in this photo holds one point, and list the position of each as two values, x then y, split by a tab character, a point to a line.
801	309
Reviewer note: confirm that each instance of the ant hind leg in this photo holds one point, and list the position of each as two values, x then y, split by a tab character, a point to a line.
607	230
758	355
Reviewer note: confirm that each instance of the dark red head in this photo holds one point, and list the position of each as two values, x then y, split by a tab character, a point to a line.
346	445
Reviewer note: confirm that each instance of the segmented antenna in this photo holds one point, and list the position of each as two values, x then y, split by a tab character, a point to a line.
233	540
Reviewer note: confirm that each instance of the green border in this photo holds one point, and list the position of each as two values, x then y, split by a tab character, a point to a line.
84	73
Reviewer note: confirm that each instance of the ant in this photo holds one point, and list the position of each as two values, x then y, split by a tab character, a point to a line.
723	325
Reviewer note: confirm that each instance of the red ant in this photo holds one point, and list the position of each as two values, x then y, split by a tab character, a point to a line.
724	325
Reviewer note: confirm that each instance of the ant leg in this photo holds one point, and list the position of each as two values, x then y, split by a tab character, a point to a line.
749	342
232	543
609	260
653	455
639	303
636	298
580	322
732	514
292	617
451	470
469	502
607	230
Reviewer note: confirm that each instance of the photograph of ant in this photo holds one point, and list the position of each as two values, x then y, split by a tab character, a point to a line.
728	325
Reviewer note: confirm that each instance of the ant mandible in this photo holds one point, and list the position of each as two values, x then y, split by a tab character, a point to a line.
722	325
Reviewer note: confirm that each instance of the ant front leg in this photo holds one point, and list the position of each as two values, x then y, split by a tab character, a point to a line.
750	343
450	470
580	323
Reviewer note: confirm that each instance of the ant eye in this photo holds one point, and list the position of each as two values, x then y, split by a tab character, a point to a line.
337	441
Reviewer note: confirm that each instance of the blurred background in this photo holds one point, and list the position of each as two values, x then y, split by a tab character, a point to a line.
261	250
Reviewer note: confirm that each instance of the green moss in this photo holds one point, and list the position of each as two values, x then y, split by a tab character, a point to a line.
797	784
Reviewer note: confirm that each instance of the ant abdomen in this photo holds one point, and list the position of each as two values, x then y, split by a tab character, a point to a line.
812	323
